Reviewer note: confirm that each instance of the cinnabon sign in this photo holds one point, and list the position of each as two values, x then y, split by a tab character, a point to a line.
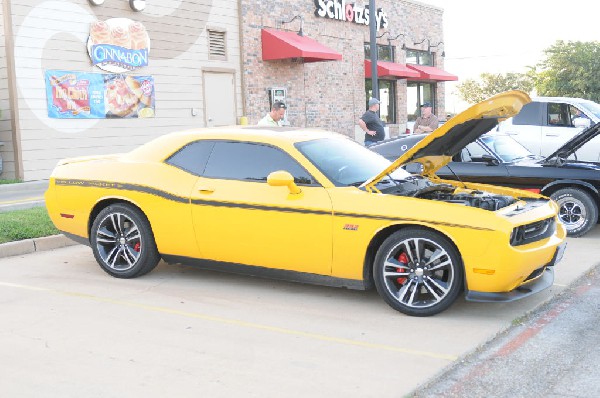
118	45
342	11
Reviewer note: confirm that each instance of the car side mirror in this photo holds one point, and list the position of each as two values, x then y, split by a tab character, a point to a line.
283	178
582	122
490	160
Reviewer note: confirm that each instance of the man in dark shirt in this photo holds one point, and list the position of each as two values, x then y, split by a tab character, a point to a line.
371	124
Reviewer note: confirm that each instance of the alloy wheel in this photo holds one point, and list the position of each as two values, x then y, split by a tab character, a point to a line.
118	241
418	273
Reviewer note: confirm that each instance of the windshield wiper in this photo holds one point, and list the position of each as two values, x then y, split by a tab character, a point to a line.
356	184
383	182
530	156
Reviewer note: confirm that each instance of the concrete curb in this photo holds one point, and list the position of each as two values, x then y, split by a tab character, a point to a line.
27	246
21	206
29	186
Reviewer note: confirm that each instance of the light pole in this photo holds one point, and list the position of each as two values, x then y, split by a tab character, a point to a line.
373	45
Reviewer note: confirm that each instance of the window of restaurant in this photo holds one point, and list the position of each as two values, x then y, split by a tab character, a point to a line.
419	57
417	92
387	96
384	52
387	88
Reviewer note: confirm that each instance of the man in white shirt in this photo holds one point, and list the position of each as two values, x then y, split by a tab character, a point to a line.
275	117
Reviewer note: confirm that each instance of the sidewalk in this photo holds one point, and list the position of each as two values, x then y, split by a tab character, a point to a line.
22	195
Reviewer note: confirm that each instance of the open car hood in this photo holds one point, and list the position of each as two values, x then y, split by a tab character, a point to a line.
573	145
437	149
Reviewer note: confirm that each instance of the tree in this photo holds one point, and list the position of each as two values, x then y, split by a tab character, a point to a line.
473	91
571	69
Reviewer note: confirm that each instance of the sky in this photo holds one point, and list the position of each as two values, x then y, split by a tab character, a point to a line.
509	35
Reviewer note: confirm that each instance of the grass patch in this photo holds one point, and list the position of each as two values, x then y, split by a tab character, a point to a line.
25	224
9	181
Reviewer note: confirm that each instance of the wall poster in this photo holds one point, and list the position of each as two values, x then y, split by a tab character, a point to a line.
118	45
80	95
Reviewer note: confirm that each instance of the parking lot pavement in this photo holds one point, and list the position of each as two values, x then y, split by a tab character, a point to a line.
69	329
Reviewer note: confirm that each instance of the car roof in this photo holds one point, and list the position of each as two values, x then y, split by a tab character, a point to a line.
163	146
558	99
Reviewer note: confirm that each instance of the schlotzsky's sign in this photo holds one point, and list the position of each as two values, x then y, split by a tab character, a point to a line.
118	45
342	11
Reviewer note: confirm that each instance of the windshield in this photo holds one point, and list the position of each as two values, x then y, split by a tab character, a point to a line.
346	162
506	148
592	107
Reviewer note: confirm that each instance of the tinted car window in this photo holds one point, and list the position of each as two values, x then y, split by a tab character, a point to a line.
506	148
252	162
558	115
475	152
192	157
531	114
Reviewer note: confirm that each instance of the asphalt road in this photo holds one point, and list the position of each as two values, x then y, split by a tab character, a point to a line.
552	353
22	195
68	329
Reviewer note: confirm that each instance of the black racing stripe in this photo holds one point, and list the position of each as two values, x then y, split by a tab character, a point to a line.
259	207
375	217
122	187
180	199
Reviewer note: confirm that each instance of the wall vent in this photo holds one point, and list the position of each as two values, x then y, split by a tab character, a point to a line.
217	48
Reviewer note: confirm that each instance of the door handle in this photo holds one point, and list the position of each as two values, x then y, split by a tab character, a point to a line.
552	135
206	190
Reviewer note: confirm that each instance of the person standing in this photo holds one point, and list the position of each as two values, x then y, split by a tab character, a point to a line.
427	122
371	124
275	117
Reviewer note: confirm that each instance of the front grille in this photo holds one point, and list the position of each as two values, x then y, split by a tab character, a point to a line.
533	232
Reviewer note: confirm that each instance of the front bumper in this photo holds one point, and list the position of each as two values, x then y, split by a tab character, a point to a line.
526	289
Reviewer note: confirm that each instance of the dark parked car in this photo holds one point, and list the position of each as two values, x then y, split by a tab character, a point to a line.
498	159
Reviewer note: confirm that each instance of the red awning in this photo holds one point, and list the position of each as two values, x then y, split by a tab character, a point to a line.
277	44
432	73
390	69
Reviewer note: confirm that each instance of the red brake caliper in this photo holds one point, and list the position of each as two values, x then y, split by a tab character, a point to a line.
136	247
403	258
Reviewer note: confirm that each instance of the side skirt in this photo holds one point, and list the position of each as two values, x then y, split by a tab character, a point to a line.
76	238
269	273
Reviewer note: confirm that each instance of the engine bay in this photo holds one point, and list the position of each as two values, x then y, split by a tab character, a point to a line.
421	187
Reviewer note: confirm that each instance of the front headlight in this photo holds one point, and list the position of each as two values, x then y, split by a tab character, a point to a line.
533	232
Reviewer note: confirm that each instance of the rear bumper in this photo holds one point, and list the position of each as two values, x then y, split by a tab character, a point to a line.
544	281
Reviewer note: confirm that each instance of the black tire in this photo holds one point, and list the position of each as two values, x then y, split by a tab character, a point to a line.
430	280
578	210
123	243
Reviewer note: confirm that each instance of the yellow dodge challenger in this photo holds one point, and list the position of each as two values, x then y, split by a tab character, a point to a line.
314	206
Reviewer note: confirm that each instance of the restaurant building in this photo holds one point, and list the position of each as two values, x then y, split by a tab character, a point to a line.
85	77
315	55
